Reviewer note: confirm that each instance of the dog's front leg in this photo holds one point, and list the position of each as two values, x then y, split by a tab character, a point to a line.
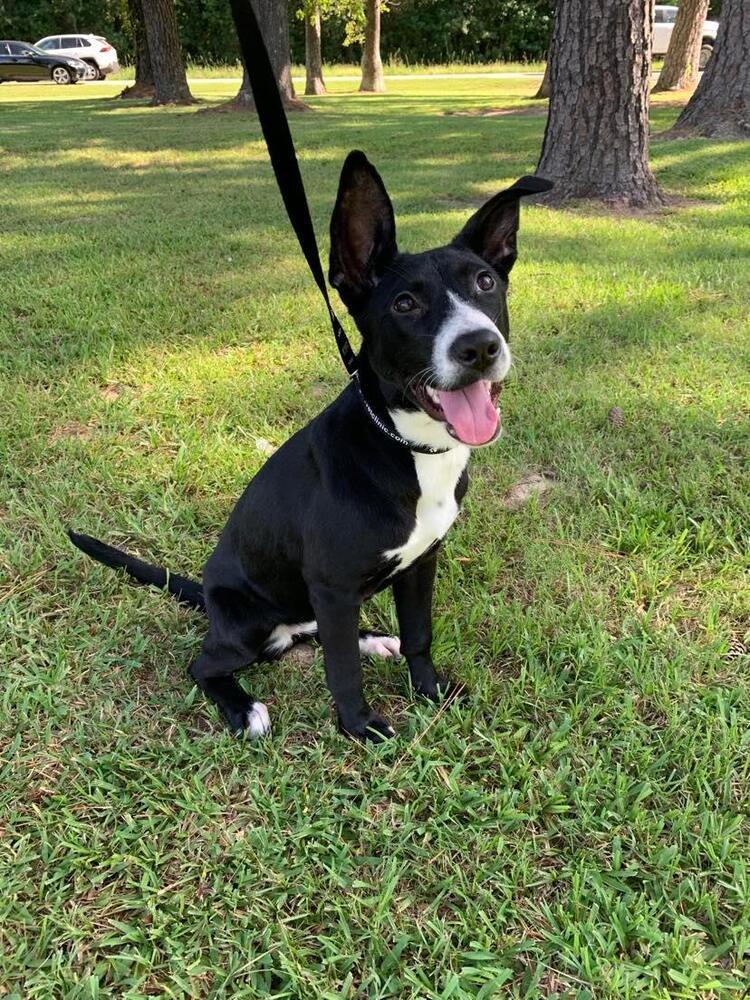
337	615
412	592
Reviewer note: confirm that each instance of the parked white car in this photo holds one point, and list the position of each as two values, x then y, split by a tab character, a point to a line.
95	51
664	19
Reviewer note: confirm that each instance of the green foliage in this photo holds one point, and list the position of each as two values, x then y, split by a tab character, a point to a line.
415	31
467	30
207	31
349	13
440	31
580	828
30	20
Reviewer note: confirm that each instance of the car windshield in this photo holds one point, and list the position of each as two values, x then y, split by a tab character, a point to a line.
33	48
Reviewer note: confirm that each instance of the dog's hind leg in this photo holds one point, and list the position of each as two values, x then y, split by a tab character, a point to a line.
237	631
284	637
379	644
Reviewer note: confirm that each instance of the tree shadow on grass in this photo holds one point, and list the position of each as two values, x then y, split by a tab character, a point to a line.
122	206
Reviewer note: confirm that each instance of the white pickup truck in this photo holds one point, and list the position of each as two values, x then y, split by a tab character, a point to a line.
664	20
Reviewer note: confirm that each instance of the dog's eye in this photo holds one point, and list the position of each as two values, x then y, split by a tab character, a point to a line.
485	281
404	303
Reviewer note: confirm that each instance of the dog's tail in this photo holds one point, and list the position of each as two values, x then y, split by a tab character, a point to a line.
186	591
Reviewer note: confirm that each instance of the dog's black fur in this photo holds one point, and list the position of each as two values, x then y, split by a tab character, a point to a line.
314	533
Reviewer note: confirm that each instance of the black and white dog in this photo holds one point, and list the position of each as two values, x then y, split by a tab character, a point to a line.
341	510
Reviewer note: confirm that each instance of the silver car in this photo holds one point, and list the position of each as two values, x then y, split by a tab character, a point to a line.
100	57
665	16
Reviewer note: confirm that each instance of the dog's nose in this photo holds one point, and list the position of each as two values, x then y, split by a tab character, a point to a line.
478	349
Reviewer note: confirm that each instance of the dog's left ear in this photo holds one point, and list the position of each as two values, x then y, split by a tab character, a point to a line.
491	232
363	229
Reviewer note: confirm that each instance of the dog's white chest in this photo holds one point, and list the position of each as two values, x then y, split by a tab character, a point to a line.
436	511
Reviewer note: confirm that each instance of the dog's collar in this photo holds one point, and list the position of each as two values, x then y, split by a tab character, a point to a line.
391	432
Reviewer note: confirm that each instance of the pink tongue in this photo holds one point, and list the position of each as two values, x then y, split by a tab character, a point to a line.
470	412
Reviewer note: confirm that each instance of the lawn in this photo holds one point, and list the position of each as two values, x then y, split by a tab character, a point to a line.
578	829
202	71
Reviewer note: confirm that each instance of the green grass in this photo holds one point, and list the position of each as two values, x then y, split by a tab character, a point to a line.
203	71
580	828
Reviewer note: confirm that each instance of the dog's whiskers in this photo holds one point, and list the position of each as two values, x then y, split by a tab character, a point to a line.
420	379
418	375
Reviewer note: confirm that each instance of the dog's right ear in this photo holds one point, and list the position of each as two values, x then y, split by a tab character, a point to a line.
363	230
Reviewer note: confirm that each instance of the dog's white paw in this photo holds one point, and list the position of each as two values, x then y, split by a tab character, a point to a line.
380	645
257	721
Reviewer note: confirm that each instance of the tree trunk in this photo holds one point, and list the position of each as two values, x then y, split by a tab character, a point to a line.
544	88
720	106
680	70
274	22
274	25
372	67
167	62
596	140
144	75
314	83
244	101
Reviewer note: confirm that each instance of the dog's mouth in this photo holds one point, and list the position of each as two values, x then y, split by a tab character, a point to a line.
470	414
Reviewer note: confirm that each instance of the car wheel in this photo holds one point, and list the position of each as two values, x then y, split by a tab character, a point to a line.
62	75
92	71
706	53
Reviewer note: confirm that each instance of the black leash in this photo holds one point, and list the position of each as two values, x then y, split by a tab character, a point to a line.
275	126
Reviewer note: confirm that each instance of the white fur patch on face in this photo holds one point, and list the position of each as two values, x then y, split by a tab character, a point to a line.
258	722
463	318
380	645
283	637
437	509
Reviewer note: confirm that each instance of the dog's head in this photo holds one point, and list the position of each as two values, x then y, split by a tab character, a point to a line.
434	324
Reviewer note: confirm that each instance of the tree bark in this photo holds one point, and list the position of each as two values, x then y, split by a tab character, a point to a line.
720	106
373	81
274	25
596	140
243	101
274	22
144	74
167	62
680	69
314	83
544	87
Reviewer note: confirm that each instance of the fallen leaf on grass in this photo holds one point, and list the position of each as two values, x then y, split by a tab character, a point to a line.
533	484
264	447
